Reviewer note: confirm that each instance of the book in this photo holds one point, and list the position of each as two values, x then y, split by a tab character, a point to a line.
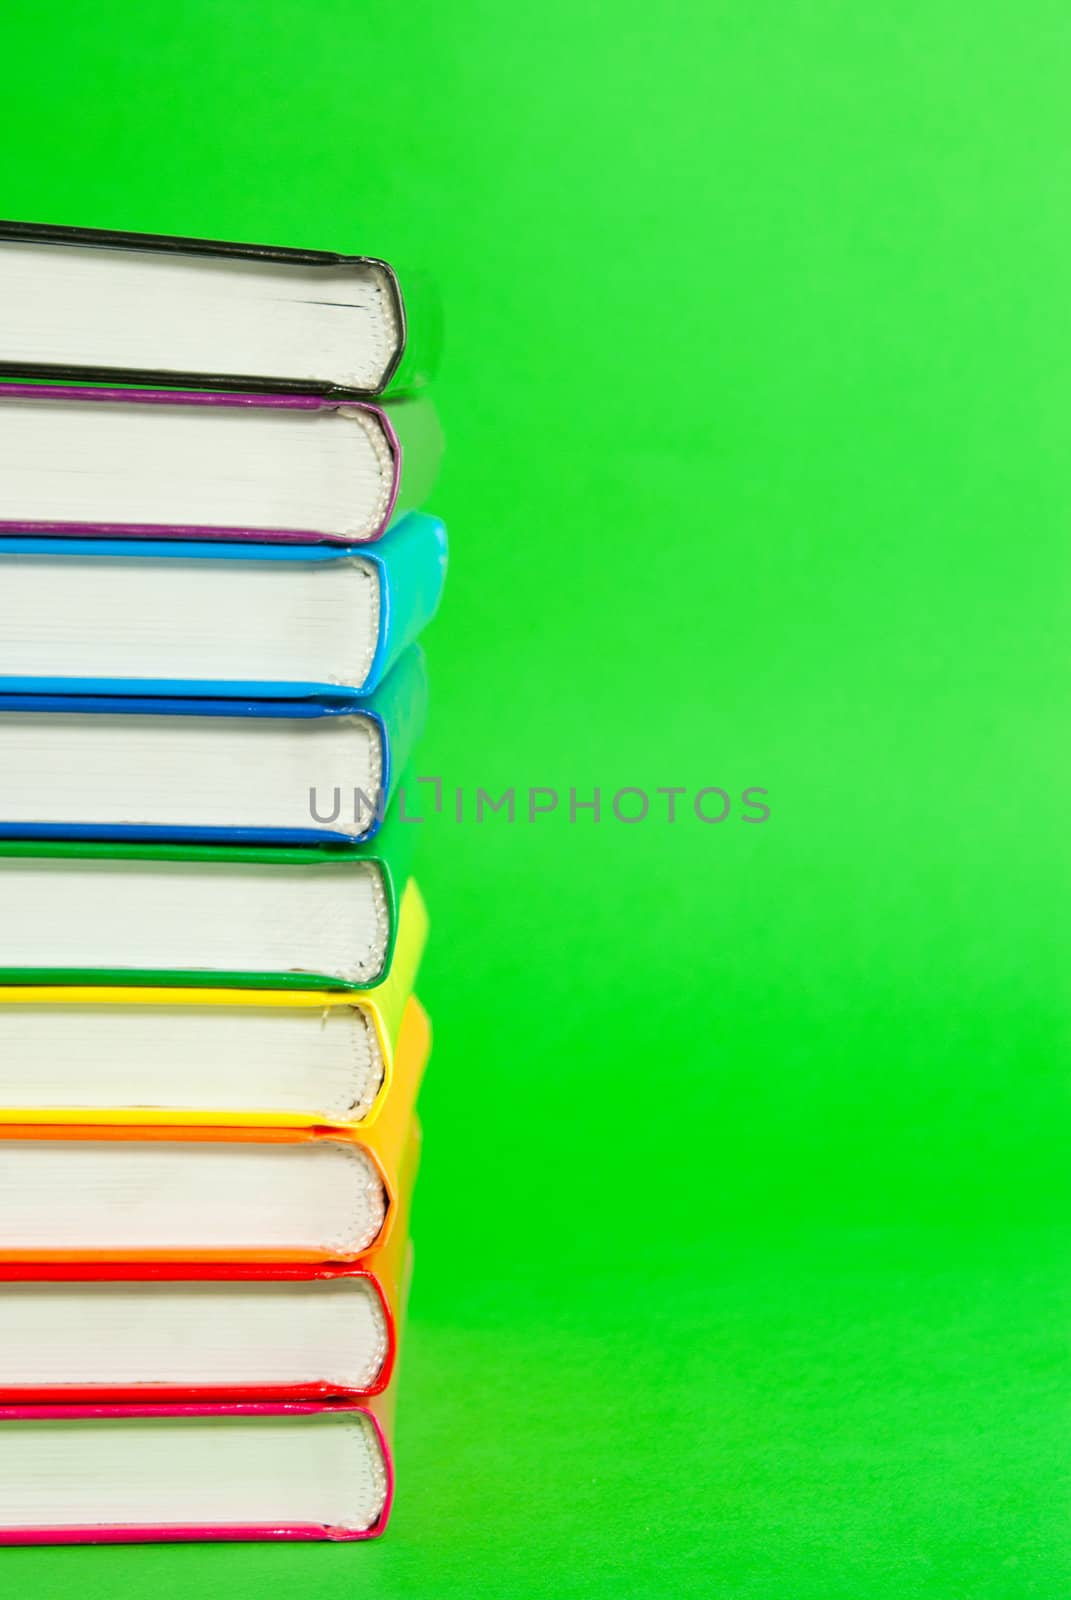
225	771
91	302
179	1332
115	1332
244	1192
186	1057
204	916
138	1473
155	463
93	616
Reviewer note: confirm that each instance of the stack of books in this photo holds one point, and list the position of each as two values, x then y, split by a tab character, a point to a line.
213	574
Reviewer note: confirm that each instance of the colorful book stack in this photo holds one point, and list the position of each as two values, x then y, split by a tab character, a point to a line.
213	573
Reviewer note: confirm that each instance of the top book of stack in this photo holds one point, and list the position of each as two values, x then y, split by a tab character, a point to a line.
89	304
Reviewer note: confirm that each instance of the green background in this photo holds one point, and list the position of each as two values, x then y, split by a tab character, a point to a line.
742	1229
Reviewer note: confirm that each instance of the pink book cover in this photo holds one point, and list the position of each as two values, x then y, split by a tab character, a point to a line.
377	1411
409	430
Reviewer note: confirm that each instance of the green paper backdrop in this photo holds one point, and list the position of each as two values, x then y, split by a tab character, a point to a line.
742	1249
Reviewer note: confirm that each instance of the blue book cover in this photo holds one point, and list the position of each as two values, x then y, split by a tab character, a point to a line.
41	756
409	564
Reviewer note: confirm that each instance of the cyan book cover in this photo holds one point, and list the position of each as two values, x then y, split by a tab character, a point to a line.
410	562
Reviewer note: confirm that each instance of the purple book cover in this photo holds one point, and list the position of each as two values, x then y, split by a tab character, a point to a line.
409	429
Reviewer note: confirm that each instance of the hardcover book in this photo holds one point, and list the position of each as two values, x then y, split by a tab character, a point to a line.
203	916
247	1192
157	464
226	771
93	303
140	1473
92	616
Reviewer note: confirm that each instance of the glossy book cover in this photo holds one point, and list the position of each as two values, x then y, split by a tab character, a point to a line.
409	562
373	1417
393	718
407	364
387	856
409	431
